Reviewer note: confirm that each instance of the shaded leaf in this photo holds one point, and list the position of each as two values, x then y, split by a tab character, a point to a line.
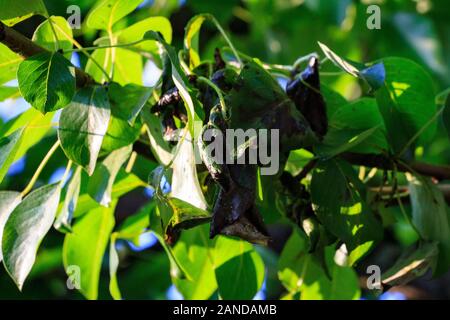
19	10
56	39
101	183
64	219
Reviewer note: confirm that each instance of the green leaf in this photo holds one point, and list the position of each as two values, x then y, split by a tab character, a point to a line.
193	106
8	202
446	115
46	81
300	272
65	215
56	38
191	38
26	227
35	127
8	149
124	183
136	32
86	245
374	74
101	183
19	10
130	230
431	217
82	126
128	101
8	93
195	254
107	12
338	200
119	134
160	148
412	264
358	127
406	102
297	160
9	62
239	269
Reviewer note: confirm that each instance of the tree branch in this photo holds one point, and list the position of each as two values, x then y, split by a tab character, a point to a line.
381	162
24	47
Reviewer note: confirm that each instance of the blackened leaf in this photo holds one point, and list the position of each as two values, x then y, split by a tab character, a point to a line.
46	81
26	227
101	183
82	126
65	215
338	200
8	202
257	101
412	264
193	107
305	92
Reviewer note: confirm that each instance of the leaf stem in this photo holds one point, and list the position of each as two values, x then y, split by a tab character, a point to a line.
40	168
131	162
225	36
66	173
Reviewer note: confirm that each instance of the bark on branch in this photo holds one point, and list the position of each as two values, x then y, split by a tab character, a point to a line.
24	47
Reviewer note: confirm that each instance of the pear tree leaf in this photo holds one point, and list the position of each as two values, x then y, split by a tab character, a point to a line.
16	11
46	81
26	227
9	146
86	245
101	183
8	202
59	39
106	13
83	125
65	215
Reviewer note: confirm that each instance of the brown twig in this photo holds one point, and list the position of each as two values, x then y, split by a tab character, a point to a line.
26	48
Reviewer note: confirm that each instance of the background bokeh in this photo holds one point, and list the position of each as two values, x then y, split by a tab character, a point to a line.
275	31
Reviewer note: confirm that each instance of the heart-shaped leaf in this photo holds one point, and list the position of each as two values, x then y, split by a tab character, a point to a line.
46	81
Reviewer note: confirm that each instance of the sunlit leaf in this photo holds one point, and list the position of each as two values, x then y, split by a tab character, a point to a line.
107	12
8	202
19	10
54	34
8	149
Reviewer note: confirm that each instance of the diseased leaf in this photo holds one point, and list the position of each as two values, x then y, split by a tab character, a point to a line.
18	10
46	81
8	202
107	12
9	146
101	183
82	126
193	107
26	227
86	245
65	215
239	269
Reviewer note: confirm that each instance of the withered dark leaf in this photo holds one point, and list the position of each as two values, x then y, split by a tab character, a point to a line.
305	92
